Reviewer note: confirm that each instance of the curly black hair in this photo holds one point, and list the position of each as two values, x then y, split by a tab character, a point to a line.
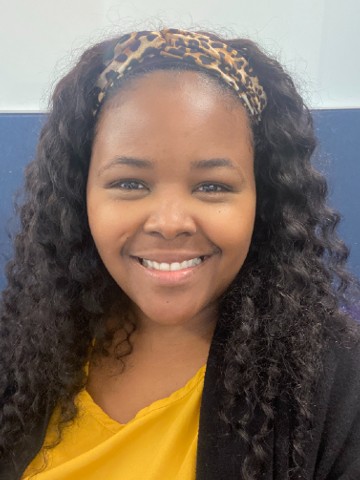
281	310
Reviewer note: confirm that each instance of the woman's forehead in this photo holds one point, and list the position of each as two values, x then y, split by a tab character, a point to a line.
172	122
192	83
168	107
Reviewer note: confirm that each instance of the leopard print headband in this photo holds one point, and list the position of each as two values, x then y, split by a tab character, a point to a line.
192	48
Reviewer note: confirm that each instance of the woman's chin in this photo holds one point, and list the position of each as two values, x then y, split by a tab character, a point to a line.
173	317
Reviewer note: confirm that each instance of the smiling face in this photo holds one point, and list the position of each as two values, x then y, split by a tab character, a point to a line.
171	194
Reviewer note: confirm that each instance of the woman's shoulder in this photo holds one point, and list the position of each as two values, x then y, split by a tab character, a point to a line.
341	368
335	446
342	350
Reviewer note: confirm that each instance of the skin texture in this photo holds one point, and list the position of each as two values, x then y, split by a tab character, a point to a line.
169	208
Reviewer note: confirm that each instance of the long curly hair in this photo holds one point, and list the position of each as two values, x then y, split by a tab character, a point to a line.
281	310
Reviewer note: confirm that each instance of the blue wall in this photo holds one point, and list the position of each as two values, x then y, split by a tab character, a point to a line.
338	157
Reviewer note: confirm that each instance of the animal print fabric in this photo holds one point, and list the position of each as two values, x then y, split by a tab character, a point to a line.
220	59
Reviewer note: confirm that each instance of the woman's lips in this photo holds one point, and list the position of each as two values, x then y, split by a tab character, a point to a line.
171	266
173	256
171	273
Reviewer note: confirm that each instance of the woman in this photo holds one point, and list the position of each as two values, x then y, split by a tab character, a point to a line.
174	224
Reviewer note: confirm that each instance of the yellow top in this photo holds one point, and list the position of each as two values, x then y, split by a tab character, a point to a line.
160	442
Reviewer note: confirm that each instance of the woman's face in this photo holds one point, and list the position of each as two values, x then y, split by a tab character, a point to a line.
171	194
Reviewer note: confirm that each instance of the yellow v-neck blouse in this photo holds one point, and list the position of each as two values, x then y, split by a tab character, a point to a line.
159	443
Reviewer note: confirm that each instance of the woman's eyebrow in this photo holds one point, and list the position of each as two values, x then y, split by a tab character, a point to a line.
144	163
212	163
130	161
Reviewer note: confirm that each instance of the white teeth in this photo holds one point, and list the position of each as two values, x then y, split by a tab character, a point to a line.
175	266
171	266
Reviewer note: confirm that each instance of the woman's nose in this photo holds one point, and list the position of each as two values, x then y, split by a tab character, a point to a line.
170	218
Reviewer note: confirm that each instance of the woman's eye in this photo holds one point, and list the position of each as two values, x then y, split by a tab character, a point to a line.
213	188
128	185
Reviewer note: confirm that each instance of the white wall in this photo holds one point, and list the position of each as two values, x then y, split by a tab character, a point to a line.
318	40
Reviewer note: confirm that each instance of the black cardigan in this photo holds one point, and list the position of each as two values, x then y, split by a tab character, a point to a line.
333	454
